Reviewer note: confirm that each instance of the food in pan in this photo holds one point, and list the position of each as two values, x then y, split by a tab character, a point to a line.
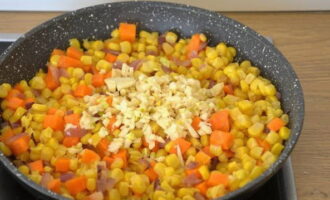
143	116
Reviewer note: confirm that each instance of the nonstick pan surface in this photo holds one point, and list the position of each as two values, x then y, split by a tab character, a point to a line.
31	52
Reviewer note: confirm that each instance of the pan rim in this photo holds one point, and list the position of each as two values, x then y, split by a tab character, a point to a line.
237	25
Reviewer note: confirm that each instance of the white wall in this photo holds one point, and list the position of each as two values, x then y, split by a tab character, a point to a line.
219	5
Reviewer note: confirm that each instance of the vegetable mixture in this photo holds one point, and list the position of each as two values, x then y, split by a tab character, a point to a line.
143	116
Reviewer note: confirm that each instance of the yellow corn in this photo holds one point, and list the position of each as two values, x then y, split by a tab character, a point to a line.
97	45
5	150
215	191
256	152
4	88
204	171
256	129
277	149
46	153
125	47
20	111
172	160
86	60
114	195
171	37
138	184
285	133
123	188
117	174
272	137
91	184
74	42
37	83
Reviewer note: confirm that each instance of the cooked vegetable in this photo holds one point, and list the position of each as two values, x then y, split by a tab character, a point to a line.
143	115
127	31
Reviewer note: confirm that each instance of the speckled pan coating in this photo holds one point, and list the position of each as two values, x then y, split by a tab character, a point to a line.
30	53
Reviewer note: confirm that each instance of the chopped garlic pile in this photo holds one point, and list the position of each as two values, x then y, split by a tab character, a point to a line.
171	102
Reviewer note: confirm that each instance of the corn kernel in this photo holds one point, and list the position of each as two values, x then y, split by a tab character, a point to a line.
91	184
74	42
256	129
123	188
46	153
285	133
114	194
125	47
272	137
215	150
5	150
204	171
172	160
256	152
277	149
97	45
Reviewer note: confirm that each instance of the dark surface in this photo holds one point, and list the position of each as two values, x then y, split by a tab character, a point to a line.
31	51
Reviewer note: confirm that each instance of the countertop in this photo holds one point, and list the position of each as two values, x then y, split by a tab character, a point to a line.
304	39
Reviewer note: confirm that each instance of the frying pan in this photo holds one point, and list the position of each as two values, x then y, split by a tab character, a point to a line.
31	51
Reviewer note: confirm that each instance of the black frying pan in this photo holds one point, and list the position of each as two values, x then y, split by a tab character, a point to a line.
30	53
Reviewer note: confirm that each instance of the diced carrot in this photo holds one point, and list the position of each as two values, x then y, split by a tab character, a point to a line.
122	154
29	100
151	174
275	124
202	158
60	113
70	141
228	153
217	178
194	44
19	87
51	111
15	102
194	171
223	139
108	160
228	89
183	144
62	165
220	121
54	121
127	31
263	143
86	68
76	185
102	147
13	93
89	156
54	185
51	81
66	62
107	75
19	145
73	118
110	58
6	135
58	52
82	90
111	125
206	149
74	52
94	70
195	123
109	101
98	80
202	187
152	163
36	166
